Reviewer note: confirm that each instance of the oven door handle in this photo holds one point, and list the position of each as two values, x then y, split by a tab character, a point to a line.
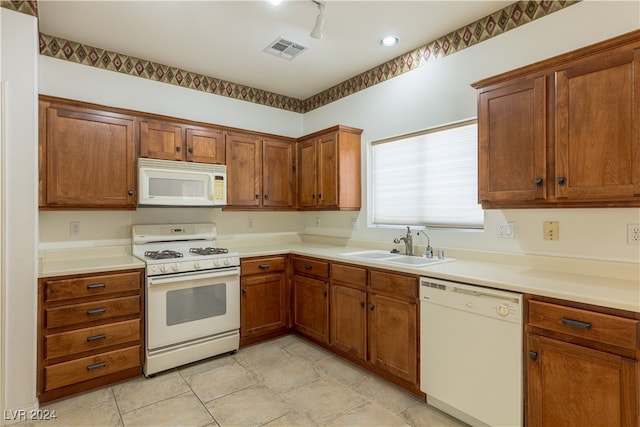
181	277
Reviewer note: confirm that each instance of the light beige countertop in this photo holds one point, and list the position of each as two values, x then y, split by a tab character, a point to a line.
64	262
608	284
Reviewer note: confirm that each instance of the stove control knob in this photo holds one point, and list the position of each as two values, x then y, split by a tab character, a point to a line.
216	262
196	265
175	267
502	310
163	269
226	261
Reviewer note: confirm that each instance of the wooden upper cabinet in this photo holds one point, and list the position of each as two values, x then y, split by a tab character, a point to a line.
173	141
87	158
205	145
563	132
244	171
278	173
512	141
597	132
329	170
260	172
161	140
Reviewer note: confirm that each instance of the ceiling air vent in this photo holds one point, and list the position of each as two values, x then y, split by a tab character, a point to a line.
284	48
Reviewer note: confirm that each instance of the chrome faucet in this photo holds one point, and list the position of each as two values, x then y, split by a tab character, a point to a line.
408	242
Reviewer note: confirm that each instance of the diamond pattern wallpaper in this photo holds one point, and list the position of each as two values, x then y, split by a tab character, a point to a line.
511	16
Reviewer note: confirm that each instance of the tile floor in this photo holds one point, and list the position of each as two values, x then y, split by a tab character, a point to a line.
284	382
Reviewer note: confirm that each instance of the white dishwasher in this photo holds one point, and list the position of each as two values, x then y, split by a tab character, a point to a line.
471	352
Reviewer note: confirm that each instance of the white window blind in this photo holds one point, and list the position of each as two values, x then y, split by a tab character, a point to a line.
429	179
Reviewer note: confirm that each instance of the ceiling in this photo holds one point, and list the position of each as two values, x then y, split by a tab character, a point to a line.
225	39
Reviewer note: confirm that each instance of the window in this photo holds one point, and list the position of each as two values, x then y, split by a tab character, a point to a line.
428	179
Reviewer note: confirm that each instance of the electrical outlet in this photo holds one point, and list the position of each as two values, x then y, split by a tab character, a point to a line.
505	230
250	223
551	230
633	234
74	228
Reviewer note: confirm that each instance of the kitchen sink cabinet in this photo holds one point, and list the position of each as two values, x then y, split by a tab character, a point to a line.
260	172
392	324
90	331
311	298
164	140
329	170
348	309
581	365
562	132
264	299
87	157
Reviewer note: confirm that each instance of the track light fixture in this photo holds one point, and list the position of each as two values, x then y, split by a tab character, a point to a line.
316	32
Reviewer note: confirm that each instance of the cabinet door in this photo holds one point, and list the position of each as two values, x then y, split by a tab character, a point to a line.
161	140
307	174
263	304
597	135
205	145
90	159
570	385
244	170
278	177
310	307
512	142
327	185
349	320
393	336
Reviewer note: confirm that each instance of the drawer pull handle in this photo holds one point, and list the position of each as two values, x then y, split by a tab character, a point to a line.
96	337
97	286
308	267
96	366
533	355
264	266
97	311
576	323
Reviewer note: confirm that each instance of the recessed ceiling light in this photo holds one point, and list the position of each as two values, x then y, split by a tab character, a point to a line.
275	2
389	41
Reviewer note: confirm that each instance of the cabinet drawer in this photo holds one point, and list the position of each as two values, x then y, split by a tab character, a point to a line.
91	311
604	328
394	284
311	267
262	265
68	343
76	371
349	274
56	290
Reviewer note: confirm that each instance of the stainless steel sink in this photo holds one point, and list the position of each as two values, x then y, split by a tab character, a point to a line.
388	257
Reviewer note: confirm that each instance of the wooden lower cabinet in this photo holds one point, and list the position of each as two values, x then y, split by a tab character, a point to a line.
90	331
582	366
393	336
264	299
349	320
311	307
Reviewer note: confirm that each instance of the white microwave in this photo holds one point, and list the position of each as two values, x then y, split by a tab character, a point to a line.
176	183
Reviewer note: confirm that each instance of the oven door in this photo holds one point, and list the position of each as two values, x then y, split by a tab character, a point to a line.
187	306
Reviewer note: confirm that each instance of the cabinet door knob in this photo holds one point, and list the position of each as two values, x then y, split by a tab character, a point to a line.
177	149
257	197
244	290
538	182
533	355
319	196
562	180
372	306
130	192
313	196
190	150
324	293
361	304
266	197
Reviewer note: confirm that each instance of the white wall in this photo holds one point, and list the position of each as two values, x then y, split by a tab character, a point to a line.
19	203
440	93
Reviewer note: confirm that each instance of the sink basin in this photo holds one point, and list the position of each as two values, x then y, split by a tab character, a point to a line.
388	257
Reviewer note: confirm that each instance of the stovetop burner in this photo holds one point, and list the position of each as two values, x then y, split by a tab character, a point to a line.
165	254
208	251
